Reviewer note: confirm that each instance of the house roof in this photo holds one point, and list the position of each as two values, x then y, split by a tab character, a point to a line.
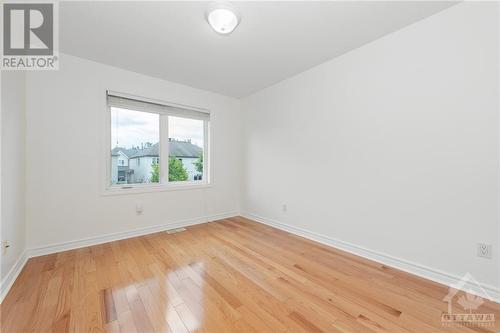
177	149
127	152
184	149
150	151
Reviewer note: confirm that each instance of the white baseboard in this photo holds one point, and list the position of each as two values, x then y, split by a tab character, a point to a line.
76	244
447	279
12	275
432	274
9	279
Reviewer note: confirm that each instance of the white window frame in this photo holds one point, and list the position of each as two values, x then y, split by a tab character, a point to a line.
164	184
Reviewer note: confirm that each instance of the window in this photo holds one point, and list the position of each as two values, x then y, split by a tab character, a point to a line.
154	144
185	156
130	130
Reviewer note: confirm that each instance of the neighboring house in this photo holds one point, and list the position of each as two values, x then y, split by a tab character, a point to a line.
188	153
114	167
142	163
120	170
135	165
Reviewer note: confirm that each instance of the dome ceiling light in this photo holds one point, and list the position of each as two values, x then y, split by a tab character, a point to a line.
222	17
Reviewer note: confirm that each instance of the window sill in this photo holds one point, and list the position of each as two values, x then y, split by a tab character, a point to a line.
139	189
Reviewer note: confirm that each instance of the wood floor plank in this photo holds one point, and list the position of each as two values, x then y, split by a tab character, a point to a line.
232	275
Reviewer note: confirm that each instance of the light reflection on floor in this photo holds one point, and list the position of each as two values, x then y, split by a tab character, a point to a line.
190	312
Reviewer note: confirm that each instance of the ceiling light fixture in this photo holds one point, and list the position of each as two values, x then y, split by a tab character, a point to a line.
222	17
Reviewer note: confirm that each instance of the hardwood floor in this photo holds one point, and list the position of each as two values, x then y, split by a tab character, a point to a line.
234	275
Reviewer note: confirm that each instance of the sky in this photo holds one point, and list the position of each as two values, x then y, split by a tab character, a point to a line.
185	128
131	128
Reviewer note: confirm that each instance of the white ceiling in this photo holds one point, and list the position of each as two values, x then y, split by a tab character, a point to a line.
275	40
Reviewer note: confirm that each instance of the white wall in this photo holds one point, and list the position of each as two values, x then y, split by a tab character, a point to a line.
65	129
391	147
12	169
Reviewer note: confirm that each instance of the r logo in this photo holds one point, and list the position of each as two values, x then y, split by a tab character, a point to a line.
28	29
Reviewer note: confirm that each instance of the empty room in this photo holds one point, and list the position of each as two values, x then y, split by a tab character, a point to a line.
260	166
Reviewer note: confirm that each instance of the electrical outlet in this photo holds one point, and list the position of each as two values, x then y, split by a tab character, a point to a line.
484	250
284	208
139	209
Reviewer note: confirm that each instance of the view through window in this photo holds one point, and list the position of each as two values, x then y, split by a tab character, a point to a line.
137	129
135	138
185	159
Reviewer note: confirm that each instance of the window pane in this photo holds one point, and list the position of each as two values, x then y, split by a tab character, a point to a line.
185	138
134	141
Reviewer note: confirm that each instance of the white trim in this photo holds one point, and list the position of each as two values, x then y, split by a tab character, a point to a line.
156	101
14	272
207	142
164	151
404	265
12	275
425	272
163	184
148	188
76	244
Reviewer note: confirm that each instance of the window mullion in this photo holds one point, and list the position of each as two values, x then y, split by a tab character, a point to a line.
206	152
164	149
